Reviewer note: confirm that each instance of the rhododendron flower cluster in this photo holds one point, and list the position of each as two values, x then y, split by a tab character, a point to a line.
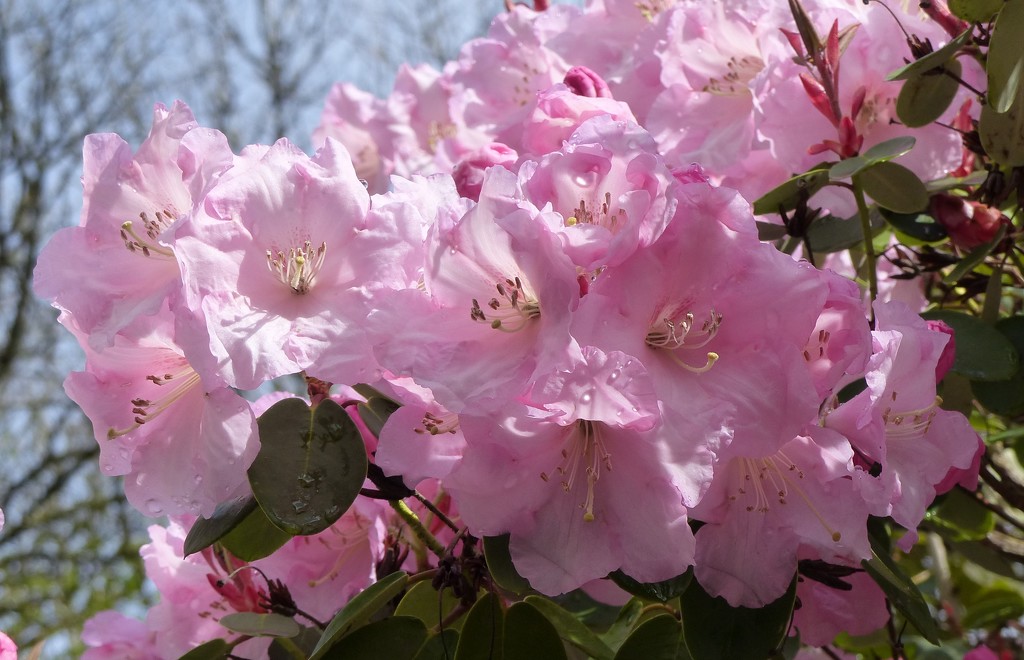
536	255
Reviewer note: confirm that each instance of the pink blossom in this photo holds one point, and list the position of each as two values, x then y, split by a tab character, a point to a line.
825	611
8	649
585	82
359	121
182	443
469	172
122	241
558	112
110	635
274	264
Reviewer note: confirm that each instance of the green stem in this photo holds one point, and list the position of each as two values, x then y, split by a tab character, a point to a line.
411	519
869	247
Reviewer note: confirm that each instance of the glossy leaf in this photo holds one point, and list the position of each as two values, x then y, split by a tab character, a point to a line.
1005	61
571	629
714	630
1006	397
530	636
889	149
925	98
847	167
975	11
1002	134
260	624
359	610
787	195
311	465
900	590
660	591
921	226
440	646
215	649
934	59
255	537
982	352
423	602
628	616
894	187
394	638
654	639
207	531
483	634
499	563
375	413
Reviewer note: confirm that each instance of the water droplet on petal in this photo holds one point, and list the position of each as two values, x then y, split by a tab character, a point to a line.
108	468
153	507
587	397
198	479
614	376
585	179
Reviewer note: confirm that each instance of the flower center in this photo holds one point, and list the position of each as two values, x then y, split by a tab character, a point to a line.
438	424
736	80
180	383
649	9
438	132
585	454
510	311
298	267
603	216
674	329
774	478
910	424
817	346
151	228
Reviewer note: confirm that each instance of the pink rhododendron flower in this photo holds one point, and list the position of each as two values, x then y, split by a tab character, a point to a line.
182	443
826	611
359	121
8	649
274	264
469	172
110	635
122	242
558	112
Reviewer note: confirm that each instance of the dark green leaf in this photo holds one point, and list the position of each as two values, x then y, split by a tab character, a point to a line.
889	149
215	649
375	413
770	231
1005	62
311	465
1002	134
255	537
982	352
1006	397
423	602
894	187
925	98
932	60
975	11
900	590
787	195
483	634
394	638
921	226
530	636
359	610
267	624
660	591
654	639
294	648
714	630
847	167
831	234
207	531
623	625
571	629
961	517
499	563
440	646
992	607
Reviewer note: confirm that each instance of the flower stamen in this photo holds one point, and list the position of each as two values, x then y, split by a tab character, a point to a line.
586	448
145	410
298	267
148	246
673	331
511	311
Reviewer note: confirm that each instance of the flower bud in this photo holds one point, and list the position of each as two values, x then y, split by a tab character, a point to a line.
469	173
584	82
969	224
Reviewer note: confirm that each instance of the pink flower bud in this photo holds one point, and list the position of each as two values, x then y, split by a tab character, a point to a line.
969	223
584	82
948	352
469	173
939	12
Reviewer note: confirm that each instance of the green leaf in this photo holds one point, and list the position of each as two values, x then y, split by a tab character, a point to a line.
974	258
375	413
933	59
1005	61
623	624
1006	397
831	234
294	648
975	11
215	649
925	98
255	537
993	606
770	231
787	195
1002	134
440	646
499	563
921	226
713	629
889	149
654	639
571	629
359	610
258	624
530	636
900	590
483	634
894	187
847	167
394	638
982	352
662	592
423	602
961	517
207	531
311	465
